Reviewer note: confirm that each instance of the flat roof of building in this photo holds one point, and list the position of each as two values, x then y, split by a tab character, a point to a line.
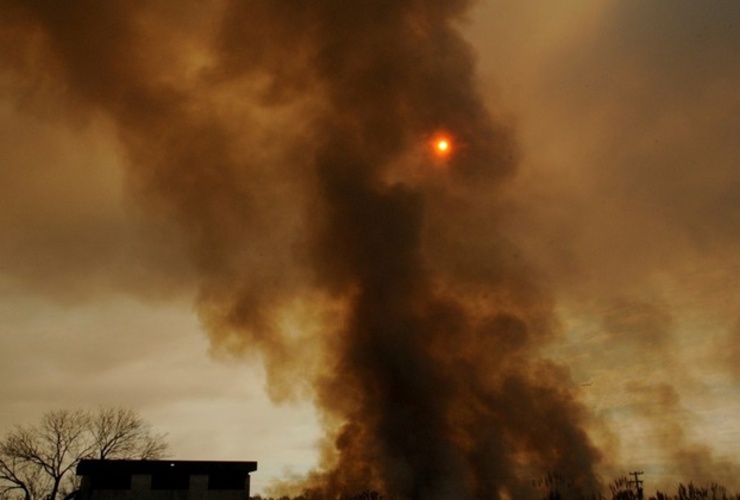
95	467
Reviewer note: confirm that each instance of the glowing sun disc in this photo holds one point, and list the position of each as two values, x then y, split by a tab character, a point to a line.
442	146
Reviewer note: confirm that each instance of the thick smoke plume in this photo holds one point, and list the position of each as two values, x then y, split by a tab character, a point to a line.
288	140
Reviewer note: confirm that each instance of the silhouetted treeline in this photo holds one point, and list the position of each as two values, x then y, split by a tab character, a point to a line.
624	489
365	495
691	491
619	489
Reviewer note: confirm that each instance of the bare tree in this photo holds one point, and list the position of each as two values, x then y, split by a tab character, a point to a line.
122	433
35	461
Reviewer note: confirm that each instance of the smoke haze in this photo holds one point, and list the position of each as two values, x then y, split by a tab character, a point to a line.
626	200
440	314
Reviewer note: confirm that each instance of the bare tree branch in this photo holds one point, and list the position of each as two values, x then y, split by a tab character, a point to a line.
122	433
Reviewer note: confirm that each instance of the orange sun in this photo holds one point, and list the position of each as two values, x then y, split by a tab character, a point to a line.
442	146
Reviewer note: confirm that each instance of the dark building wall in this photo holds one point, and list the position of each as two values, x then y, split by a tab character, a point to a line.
164	480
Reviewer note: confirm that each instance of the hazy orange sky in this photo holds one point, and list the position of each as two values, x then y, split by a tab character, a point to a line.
625	204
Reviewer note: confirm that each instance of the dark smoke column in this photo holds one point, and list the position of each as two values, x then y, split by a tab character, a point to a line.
436	382
430	381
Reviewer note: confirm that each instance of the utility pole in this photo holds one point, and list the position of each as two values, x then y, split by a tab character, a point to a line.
637	482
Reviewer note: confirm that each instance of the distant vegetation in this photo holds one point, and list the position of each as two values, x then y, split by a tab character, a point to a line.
619	489
690	492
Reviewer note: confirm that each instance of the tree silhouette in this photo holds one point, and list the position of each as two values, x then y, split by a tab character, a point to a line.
36	461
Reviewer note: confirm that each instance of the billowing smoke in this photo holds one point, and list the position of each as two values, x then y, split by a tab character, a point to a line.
288	142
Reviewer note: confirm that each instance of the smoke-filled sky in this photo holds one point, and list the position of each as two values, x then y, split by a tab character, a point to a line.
226	218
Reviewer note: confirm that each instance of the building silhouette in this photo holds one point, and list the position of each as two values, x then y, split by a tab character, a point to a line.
164	480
